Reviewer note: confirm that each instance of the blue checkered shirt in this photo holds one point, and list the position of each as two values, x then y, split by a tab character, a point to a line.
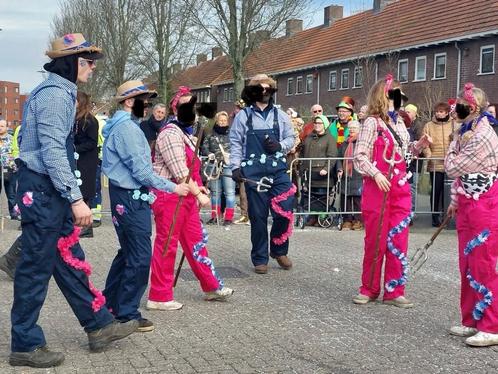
49	118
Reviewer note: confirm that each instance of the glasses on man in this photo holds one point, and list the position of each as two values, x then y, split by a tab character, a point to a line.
344	112
90	62
318	123
318	111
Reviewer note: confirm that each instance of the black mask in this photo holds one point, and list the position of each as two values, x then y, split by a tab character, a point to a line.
222	130
444	119
462	111
395	96
138	108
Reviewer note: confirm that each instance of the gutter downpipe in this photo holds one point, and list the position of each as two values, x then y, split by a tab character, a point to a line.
318	88
459	67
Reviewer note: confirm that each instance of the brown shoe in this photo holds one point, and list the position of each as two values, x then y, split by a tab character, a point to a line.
347	225
357	225
261	269
284	262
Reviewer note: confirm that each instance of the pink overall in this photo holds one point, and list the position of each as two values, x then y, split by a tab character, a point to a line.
478	259
189	232
397	211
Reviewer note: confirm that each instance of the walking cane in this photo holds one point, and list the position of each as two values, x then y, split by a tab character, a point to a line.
392	161
421	254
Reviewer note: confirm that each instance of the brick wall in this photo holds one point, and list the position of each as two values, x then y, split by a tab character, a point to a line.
9	102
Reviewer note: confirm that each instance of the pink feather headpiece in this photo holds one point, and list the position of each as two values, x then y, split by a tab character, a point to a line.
182	91
389	82
468	94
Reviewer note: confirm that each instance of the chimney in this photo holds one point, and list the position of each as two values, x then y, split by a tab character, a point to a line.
293	26
201	57
331	14
176	68
216	52
258	37
379	5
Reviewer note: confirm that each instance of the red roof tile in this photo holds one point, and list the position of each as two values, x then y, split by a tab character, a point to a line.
400	25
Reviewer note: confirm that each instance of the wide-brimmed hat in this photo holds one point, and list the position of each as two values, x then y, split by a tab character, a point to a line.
345	105
262	78
131	89
71	44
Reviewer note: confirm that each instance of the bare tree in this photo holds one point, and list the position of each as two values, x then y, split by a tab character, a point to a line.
432	93
230	23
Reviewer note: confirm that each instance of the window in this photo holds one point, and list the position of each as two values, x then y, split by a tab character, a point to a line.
309	83
358	77
299	85
231	95
487	65
420	68
440	66
5	99
344	79
16	113
332	80
225	95
290	86
17	100
16	89
5	89
403	70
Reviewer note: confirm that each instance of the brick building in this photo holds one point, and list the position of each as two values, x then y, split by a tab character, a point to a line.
10	103
432	47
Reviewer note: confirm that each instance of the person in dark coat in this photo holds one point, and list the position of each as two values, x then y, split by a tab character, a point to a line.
153	124
352	181
86	133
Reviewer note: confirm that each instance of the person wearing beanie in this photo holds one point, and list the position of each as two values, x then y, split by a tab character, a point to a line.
440	129
127	163
260	138
175	158
52	212
318	174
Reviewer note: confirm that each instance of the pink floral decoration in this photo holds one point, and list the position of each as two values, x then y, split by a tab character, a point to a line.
120	209
69	39
27	199
287	214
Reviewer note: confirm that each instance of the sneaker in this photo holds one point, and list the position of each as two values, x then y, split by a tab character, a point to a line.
463	331
87	232
361	299
400	302
357	226
243	220
347	225
212	221
219	295
41	357
96	223
99	339
284	261
227	222
144	325
482	339
163	305
261	269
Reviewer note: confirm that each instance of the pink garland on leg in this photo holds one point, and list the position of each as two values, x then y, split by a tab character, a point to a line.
287	214
64	245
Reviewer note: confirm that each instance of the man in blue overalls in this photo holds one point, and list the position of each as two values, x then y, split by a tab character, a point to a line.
52	208
260	137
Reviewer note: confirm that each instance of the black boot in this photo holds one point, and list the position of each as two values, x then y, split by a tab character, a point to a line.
436	222
8	261
87	232
39	358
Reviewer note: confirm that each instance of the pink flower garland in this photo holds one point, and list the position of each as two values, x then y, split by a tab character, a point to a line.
287	214
64	245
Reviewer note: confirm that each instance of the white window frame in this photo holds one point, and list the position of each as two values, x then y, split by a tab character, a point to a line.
355	84
17	90
376	71
225	95
403	60
5	100
299	80
436	55
231	96
330	74
492	46
290	88
417	59
342	75
309	76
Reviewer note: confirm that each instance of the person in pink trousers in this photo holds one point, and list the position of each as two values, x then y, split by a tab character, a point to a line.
381	156
174	153
472	160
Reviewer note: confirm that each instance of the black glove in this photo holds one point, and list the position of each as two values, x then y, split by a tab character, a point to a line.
272	146
237	175
186	112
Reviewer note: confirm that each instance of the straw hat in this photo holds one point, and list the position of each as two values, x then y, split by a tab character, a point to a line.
131	89
262	78
71	44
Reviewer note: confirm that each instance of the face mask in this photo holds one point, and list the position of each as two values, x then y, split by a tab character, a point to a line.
444	119
138	108
462	111
395	96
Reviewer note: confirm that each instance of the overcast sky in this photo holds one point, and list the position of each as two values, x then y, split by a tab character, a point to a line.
25	33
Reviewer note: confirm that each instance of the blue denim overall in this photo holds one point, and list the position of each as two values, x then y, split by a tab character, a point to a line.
258	164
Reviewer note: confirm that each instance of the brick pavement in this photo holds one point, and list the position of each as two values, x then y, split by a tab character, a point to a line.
298	321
